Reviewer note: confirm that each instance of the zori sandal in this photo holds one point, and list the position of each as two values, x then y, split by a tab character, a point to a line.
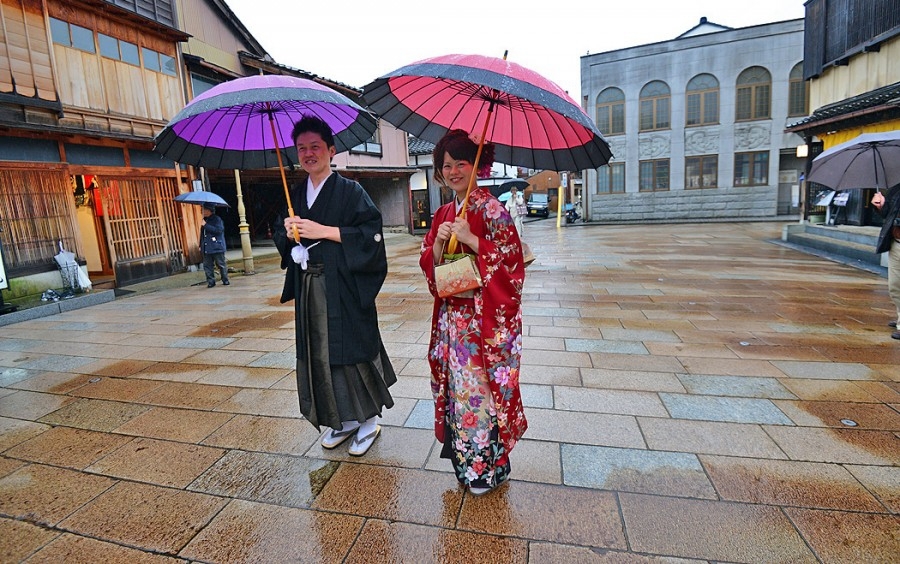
334	438
361	445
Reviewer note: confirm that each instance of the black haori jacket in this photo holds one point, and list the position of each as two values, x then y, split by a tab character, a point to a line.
889	211
355	269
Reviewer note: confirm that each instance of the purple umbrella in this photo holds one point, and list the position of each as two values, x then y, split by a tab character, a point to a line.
244	123
231	125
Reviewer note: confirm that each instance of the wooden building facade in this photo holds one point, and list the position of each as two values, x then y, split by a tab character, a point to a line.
84	87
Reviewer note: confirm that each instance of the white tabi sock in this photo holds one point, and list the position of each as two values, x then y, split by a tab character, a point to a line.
367	427
349	425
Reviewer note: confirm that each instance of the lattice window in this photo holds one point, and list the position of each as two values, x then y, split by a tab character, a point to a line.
143	219
36	213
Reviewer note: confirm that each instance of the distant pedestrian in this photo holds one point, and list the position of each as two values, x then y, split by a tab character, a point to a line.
212	245
476	339
517	209
889	242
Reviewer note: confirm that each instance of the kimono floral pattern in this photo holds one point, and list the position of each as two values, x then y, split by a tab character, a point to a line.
475	350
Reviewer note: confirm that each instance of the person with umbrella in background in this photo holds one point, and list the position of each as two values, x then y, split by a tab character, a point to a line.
212	245
476	340
889	242
870	160
515	205
336	262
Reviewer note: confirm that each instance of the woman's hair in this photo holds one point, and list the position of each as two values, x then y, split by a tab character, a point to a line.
457	144
313	124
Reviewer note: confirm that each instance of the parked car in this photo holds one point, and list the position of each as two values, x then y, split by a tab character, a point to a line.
538	205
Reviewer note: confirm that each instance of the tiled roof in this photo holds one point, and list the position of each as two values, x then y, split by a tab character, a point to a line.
884	96
419	146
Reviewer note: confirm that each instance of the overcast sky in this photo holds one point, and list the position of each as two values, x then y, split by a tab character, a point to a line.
355	42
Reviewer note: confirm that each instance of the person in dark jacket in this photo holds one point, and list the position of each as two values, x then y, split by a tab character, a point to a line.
336	262
212	245
889	242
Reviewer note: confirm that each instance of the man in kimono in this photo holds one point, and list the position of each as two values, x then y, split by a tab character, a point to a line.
336	262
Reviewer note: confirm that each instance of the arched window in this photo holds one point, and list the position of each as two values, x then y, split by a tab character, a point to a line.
611	112
754	94
702	101
655	106
798	92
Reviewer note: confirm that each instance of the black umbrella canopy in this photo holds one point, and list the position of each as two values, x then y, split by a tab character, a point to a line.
510	184
870	160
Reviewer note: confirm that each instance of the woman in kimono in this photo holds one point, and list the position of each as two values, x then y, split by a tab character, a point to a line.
476	339
334	273
515	205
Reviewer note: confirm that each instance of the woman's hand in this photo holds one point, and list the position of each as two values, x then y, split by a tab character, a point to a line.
441	236
464	235
878	200
443	233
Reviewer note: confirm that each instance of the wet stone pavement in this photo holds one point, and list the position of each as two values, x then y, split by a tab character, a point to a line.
694	393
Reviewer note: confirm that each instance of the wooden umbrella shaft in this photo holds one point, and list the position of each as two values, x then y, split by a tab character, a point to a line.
451	246
287	193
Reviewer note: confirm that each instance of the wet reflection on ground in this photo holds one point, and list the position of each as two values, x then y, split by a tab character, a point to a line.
693	391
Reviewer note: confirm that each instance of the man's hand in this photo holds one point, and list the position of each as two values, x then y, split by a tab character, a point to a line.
878	200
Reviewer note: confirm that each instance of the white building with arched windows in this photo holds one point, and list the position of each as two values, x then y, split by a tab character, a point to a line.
697	125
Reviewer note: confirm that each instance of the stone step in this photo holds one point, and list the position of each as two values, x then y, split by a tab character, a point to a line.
863	236
863	252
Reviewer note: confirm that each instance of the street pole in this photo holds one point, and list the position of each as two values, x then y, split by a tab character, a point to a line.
246	249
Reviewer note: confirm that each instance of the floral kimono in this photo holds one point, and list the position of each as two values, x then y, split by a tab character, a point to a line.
475	348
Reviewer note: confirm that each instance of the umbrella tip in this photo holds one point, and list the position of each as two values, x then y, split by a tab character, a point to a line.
505	53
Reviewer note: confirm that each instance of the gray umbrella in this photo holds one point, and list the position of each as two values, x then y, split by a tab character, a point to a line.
200	198
871	160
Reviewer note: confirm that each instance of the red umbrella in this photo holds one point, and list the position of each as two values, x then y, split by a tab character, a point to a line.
535	123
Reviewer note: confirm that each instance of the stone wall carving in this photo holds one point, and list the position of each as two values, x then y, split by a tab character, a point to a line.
617	145
701	141
752	136
654	146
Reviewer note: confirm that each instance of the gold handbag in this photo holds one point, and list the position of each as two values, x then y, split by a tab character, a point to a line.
458	274
527	255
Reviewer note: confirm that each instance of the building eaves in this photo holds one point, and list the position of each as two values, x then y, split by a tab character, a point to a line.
418	146
272	67
126	13
880	99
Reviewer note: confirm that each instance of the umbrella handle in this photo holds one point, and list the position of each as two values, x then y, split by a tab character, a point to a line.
451	245
287	193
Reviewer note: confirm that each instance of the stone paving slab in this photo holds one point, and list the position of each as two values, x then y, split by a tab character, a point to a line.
686	392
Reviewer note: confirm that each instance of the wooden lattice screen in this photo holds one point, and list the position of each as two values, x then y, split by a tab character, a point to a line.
143	219
36	213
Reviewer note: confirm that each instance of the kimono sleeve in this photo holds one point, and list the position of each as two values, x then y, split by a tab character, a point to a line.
500	255
362	242
426	257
